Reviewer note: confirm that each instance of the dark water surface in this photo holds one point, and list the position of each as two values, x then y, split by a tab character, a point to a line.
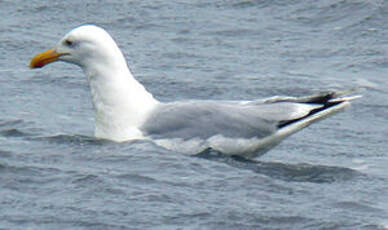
333	175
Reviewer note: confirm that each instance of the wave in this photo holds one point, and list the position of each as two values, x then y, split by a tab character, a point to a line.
284	171
300	172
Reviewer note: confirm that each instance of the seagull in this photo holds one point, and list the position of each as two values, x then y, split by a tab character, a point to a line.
125	110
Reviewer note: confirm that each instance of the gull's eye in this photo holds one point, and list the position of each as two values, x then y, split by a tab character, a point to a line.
68	43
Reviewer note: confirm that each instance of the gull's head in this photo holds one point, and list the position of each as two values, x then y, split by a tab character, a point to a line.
85	45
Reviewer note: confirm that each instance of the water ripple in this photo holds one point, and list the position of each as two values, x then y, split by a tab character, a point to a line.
288	172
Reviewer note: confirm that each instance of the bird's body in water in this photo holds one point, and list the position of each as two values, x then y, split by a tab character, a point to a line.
125	110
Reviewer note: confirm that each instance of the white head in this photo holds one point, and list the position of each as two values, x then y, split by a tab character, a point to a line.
84	46
121	103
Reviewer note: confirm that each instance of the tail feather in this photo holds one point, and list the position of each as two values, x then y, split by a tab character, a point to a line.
327	100
331	103
321	98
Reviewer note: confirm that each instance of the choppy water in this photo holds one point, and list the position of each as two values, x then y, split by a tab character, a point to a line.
55	175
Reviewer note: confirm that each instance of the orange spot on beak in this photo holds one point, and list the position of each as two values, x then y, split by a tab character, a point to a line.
44	58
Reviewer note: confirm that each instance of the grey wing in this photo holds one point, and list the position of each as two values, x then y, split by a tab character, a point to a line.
204	119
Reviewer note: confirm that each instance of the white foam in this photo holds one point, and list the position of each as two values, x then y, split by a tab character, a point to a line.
383	225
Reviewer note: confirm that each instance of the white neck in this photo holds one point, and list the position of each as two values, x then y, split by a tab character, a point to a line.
120	102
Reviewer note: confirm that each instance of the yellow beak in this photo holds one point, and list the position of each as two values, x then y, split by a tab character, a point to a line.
44	58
